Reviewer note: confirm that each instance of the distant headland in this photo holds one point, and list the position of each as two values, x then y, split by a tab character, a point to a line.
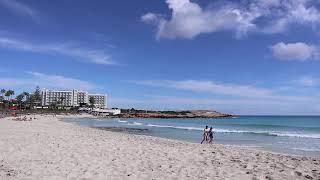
134	113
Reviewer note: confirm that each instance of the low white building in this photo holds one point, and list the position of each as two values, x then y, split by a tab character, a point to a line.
71	98
99	111
107	111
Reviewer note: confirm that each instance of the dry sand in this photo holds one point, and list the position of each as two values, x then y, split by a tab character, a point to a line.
47	148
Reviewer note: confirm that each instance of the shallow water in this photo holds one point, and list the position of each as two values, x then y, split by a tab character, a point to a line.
298	135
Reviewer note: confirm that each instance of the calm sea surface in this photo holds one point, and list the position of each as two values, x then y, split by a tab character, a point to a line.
285	134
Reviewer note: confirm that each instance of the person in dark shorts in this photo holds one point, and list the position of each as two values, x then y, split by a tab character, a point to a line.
210	135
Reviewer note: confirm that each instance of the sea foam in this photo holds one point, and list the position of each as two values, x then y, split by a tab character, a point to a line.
266	133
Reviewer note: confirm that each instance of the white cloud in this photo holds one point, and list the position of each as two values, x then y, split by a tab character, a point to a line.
230	90
173	100
295	51
189	19
19	8
150	18
233	106
76	52
12	82
57	81
210	87
230	98
210	101
287	12
46	81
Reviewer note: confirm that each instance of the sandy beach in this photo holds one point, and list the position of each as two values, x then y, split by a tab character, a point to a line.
46	148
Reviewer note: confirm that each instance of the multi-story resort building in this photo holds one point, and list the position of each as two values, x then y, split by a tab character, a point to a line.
72	98
99	100
83	97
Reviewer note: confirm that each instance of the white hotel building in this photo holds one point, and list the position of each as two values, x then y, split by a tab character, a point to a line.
72	98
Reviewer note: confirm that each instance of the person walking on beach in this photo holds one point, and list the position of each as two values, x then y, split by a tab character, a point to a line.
211	135
205	134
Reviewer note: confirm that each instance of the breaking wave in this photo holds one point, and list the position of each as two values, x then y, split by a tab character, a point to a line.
266	133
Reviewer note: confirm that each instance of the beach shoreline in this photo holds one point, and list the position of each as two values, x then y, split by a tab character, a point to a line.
261	133
47	147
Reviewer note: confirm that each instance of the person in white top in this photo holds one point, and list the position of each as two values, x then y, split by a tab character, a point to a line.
205	134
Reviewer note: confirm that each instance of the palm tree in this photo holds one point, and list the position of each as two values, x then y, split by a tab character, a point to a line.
91	101
37	96
9	93
2	92
60	102
1	101
26	93
20	98
53	105
29	100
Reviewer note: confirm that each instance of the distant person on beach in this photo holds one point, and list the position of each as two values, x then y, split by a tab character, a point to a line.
205	134
210	135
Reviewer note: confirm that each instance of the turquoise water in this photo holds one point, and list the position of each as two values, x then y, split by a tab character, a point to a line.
285	134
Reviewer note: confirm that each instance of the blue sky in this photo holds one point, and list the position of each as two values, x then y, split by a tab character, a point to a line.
240	57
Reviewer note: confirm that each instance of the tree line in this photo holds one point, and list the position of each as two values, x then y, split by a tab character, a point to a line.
23	100
27	100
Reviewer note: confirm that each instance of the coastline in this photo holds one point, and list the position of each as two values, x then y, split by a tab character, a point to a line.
187	114
142	132
143	116
49	148
269	134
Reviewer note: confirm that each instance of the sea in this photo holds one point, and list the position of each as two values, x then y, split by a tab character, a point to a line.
298	135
